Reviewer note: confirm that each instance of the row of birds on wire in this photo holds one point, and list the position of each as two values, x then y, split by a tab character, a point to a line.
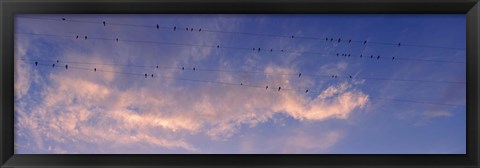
191	29
266	87
257	49
299	74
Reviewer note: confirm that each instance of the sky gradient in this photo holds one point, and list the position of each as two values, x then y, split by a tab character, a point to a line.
223	106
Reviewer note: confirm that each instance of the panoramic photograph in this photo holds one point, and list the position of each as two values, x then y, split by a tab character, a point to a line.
240	84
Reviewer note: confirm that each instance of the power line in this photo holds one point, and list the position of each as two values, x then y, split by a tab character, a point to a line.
299	74
153	26
266	50
146	75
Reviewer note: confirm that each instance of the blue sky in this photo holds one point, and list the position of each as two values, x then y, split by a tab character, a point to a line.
78	110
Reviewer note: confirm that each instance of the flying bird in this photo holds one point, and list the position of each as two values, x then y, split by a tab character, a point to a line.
350	76
348	55
183	68
282	50
292	36
258	49
191	29
271	50
152	75
157	66
331	39
186	29
337	54
371	56
326	39
218	46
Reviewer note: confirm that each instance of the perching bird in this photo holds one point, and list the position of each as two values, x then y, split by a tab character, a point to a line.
306	91
279	88
299	74
292	36
193	69
116	39
348	55
266	87
378	57
63	18
77	37
241	84
333	76
95	69
158	26
103	23
282	50
350	76
66	66
174	28
53	65
85	37
393	58
371	56
186	29
218	46
365	42
145	75
349	41
183	68
331	39
157	66
36	63
57	61
336	76
258	49
326	39
199	30
399	44
152	75
271	50
361	56
191	29
337	54
339	40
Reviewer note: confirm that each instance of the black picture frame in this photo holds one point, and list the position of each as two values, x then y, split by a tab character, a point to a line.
9	8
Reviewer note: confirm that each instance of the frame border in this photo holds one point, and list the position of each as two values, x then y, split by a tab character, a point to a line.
9	8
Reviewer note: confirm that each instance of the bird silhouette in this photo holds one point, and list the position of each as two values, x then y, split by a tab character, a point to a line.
399	44
337	54
279	88
95	69
186	29
266	87
116	39
66	66
365	42
53	65
194	69
157	66
152	75
58	61
174	28
371	56
199	30
348	55
331	39
36	63
271	50
299	74
343	54
350	76
326	39
393	58
306	91
145	75
349	41
85	37
339	40
218	46
282	50
183	68
292	36
378	57
103	23
63	18
191	29
241	84
361	56
77	37
158	26
258	49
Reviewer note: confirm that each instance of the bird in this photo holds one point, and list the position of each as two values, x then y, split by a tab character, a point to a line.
145	75
350	76
279	88
393	58
58	61
85	37
326	39
331	39
183	68
191	29
337	54
299	74
186	29
199	30
378	57
266	87
152	75
361	55
158	26
333	76
218	46
399	44
95	69
194	69
253	49
157	66
306	91
271	50
371	56
103	23
348	55
258	49
63	18
241	84
282	50
53	65
36	63
66	66
343	54
292	36
77	37
174	28
339	40
349	41
365	42
116	39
